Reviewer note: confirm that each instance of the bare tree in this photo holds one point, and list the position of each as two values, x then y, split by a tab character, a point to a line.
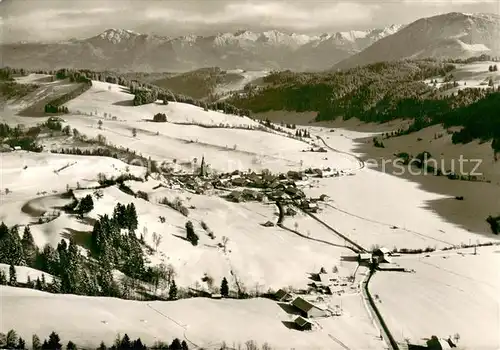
156	240
170	274
144	232
456	337
251	345
296	225
224	243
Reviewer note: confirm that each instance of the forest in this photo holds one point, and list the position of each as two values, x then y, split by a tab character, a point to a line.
382	92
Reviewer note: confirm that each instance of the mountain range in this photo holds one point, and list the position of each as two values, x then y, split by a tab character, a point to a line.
453	35
130	51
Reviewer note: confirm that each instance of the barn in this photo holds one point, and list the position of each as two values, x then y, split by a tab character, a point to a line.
382	255
303	324
364	258
282	295
307	309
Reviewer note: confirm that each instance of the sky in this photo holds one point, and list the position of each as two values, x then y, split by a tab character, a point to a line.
52	20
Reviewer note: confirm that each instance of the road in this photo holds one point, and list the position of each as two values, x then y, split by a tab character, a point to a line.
361	163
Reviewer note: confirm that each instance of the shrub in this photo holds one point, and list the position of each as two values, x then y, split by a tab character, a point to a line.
190	234
160	118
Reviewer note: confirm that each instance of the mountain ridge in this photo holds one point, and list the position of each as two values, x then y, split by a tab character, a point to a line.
243	49
450	35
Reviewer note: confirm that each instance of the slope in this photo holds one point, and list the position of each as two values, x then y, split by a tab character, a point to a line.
451	35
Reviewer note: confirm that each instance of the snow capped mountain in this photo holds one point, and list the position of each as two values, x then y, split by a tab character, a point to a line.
116	36
448	35
451	35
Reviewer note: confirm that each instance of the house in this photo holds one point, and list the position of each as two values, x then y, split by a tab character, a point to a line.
307	309
325	278
436	343
17	148
216	296
282	295
303	324
364	258
382	255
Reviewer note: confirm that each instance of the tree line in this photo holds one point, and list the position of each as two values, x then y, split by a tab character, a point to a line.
377	92
12	340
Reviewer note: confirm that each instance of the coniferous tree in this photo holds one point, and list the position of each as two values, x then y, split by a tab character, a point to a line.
70	346
35	342
184	345
86	205
125	343
175	345
38	284
54	342
190	234
12	275
138	345
11	250
131	217
102	346
21	344
11	339
172	292
3	278
224	288
50	260
29	247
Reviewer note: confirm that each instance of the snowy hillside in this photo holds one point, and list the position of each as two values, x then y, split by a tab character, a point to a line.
452	35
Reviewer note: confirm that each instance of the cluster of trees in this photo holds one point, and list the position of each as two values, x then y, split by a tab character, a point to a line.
493	68
9	88
160	118
191	236
377	92
11	340
479	120
76	76
116	250
144	96
494	222
80	207
100	152
56	105
481	58
302	133
76	274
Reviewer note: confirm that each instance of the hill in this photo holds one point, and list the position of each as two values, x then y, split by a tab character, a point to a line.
451	35
382	92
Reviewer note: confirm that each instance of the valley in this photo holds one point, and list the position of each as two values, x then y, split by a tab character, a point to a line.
225	175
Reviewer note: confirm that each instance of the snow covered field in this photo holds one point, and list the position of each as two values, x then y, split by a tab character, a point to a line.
370	207
473	75
248	77
454	292
224	149
203	322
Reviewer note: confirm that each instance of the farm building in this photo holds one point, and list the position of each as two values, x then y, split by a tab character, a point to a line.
436	343
303	324
282	295
382	255
364	257
307	309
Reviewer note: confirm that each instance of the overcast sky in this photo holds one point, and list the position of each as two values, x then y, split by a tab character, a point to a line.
34	20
